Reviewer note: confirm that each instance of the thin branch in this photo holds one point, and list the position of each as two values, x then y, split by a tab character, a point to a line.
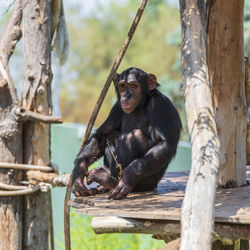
8	8
11	33
27	115
8	40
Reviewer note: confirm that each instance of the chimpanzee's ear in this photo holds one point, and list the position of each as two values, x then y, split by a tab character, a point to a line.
115	78
152	81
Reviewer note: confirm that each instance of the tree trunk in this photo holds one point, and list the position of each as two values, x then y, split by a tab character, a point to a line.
198	206
226	72
11	208
247	90
36	96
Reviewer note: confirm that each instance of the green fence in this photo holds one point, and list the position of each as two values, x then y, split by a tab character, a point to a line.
65	143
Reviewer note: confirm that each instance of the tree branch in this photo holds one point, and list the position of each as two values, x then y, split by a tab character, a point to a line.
8	39
27	115
195	234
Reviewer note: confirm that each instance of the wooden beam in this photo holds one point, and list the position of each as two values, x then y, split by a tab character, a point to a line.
247	89
37	74
11	208
227	77
198	204
227	233
113	224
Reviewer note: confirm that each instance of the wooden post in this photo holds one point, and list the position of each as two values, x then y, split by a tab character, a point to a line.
227	77
36	96
197	219
11	208
247	89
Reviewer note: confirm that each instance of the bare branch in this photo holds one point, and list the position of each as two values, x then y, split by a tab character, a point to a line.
8	39
27	115
11	33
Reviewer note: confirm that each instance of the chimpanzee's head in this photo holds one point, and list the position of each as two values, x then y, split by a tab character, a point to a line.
133	87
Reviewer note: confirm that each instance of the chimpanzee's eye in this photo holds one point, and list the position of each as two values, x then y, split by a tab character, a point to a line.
122	87
134	86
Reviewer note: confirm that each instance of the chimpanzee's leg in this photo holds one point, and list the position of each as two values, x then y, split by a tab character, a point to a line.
102	175
125	148
129	147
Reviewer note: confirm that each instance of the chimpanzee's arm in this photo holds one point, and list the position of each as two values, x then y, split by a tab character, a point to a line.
157	158
94	149
95	146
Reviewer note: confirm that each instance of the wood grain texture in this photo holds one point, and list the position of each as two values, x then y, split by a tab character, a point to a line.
199	200
227	77
232	205
11	208
37	74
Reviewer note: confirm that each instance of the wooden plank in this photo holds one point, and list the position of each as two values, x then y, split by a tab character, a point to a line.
112	224
232	205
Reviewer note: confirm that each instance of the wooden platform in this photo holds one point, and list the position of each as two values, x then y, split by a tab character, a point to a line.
164	204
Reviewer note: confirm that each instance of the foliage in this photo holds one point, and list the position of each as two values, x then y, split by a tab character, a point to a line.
83	237
96	40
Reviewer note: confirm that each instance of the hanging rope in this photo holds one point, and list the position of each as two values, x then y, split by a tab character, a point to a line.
95	112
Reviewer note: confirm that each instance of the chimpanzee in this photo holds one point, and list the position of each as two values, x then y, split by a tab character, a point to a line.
138	139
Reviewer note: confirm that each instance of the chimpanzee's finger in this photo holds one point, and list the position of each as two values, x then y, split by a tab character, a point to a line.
80	188
122	194
77	194
89	180
84	168
115	192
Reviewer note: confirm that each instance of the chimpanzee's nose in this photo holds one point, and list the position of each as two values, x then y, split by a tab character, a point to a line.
127	94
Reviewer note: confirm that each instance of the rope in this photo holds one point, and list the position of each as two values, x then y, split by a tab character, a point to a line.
25	166
44	187
94	115
11	187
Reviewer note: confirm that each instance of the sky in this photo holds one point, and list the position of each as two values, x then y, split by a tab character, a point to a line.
87	5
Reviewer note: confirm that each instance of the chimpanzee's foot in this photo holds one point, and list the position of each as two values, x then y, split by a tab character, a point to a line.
103	177
99	190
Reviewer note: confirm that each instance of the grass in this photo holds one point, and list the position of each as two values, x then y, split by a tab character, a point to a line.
83	237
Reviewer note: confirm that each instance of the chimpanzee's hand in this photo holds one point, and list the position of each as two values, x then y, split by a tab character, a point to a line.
79	172
121	191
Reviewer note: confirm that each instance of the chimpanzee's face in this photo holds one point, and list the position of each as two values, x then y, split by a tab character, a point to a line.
130	92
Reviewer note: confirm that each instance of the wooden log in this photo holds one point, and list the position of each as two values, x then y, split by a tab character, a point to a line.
113	224
198	204
37	74
11	208
226	233
226	73
247	89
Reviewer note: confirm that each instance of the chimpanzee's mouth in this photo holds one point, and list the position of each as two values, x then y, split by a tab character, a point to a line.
128	106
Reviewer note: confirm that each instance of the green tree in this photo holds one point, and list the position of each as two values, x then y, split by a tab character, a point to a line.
96	40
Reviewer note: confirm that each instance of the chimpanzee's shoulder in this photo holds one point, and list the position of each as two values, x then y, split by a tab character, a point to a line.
158	99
